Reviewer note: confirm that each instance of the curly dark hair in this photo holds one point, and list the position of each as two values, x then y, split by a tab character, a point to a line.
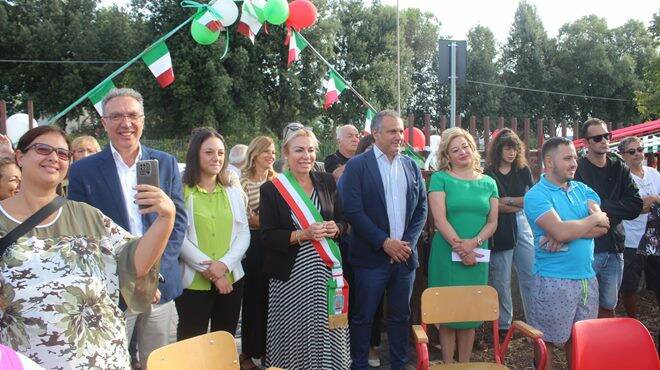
505	137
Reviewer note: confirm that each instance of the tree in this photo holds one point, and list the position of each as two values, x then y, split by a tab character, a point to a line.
648	97
481	100
589	61
525	64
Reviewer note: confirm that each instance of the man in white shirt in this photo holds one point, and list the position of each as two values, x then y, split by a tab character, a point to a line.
648	182
107	180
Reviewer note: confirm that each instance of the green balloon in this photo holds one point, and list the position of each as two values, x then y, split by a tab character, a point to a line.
200	33
260	14
276	11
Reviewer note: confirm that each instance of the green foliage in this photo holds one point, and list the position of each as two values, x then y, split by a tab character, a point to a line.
253	92
481	100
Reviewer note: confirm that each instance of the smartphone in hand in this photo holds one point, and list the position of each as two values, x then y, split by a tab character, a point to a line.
147	173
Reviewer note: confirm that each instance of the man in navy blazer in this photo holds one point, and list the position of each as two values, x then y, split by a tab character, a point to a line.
384	199
106	181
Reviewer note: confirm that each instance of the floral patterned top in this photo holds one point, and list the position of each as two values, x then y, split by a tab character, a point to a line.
59	290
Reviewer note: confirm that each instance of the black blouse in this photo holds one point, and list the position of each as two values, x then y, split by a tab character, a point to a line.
277	224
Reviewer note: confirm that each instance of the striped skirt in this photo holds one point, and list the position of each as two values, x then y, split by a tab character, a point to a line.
298	337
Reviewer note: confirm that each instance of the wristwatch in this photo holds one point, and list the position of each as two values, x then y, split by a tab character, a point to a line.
509	202
479	241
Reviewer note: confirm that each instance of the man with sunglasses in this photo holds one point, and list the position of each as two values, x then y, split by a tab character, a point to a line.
635	265
107	180
610	178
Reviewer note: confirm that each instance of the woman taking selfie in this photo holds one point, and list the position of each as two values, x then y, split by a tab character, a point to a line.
60	281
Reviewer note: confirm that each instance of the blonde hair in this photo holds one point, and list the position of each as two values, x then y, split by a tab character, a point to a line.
443	149
257	146
303	131
85	139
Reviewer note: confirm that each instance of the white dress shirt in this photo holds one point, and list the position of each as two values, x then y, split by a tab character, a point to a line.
395	186
127	181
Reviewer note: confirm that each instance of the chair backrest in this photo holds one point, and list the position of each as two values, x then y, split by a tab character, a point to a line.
459	303
215	351
619	343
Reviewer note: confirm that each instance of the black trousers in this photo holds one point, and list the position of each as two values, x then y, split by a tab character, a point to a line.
197	307
255	300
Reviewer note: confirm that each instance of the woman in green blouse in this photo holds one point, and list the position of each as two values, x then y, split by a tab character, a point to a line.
216	239
463	202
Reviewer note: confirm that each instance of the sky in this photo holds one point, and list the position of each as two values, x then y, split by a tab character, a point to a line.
458	16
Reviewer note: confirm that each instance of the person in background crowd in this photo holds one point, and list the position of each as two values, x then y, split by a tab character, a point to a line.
84	146
300	330
216	239
6	149
384	200
610	178
258	169
107	181
463	203
565	217
61	281
513	241
10	178
348	138
278	166
237	159
365	143
636	265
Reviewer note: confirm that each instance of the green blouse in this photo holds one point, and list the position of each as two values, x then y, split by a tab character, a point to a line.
213	227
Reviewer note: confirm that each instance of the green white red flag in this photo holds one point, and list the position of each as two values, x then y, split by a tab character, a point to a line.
249	24
296	45
368	118
334	86
99	93
160	64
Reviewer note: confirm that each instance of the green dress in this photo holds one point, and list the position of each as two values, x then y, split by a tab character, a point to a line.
467	204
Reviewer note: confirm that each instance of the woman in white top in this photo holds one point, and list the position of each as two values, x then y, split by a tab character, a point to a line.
647	180
216	239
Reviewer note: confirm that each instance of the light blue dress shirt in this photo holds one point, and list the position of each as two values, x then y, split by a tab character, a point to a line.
395	186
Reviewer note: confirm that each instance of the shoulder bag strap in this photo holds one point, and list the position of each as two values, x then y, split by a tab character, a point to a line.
30	223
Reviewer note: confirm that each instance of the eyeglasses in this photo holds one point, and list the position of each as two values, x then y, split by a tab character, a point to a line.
118	117
289	129
638	150
598	138
45	150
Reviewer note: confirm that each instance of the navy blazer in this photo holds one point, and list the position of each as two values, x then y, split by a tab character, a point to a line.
94	180
363	201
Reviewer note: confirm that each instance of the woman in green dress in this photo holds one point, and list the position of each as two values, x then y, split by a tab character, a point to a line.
463	202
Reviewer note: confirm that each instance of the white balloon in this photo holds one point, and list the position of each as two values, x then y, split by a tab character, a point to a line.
17	125
228	10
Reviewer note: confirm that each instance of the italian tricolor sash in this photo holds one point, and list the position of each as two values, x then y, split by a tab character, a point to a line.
307	214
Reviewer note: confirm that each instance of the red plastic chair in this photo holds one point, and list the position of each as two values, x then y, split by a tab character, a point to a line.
468	303
620	343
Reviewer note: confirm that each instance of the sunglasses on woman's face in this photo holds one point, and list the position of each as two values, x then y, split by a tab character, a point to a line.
633	150
45	150
598	138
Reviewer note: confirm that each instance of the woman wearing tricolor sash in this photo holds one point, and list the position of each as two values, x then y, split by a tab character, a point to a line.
300	220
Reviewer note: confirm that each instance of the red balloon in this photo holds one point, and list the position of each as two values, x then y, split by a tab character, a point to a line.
302	14
419	141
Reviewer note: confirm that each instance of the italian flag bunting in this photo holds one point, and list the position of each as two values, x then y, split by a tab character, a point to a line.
334	86
160	64
368	118
210	20
99	93
249	24
296	45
